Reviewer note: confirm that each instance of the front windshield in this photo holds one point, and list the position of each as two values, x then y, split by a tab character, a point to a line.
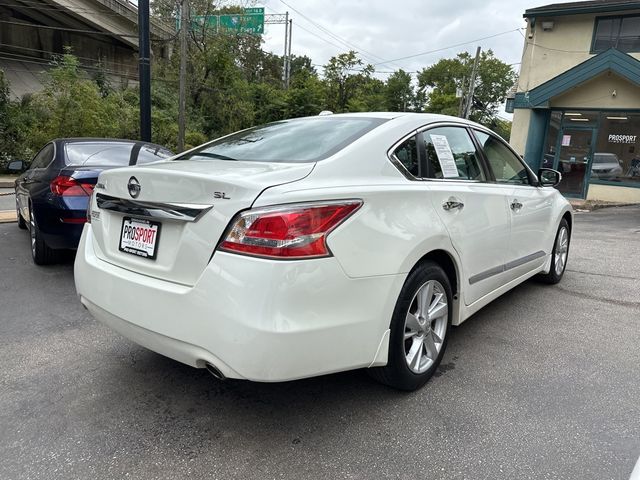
297	141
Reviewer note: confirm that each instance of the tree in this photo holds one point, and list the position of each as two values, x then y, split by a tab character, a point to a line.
72	106
307	95
344	75
442	80
399	94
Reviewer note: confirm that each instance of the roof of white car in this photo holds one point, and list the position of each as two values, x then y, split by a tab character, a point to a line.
422	118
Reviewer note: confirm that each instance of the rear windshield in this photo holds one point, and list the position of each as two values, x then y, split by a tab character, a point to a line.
297	141
605	158
112	154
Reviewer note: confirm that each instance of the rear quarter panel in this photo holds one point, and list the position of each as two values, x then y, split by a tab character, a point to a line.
395	227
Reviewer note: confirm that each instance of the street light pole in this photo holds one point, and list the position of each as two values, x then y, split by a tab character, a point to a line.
182	100
144	54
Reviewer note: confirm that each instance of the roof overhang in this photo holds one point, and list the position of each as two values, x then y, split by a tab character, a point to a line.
579	8
611	60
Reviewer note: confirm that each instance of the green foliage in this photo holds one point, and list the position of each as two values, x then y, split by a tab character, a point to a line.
441	80
73	106
7	133
399	95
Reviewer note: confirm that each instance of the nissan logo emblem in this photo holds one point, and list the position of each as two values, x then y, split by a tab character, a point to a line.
134	187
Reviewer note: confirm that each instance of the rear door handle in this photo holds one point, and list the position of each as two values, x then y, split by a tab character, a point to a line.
452	204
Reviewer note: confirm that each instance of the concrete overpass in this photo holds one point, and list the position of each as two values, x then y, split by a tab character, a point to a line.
101	32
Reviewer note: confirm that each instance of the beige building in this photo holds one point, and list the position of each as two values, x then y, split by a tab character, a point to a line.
577	104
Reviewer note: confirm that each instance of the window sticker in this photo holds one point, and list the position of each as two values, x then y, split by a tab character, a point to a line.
566	140
445	156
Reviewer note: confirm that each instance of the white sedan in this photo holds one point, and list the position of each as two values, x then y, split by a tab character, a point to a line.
317	245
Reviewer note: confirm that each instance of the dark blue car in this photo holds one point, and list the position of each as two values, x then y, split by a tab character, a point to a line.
53	193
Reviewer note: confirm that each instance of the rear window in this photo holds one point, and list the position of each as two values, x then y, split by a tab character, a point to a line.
296	141
605	158
111	154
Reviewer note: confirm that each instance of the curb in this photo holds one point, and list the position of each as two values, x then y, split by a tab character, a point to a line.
6	184
8	216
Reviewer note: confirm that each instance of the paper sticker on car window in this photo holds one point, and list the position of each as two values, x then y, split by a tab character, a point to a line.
445	156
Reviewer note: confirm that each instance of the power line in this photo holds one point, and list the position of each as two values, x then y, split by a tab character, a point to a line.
368	55
55	53
41	8
35	5
43	62
318	36
77	30
450	46
16	57
74	30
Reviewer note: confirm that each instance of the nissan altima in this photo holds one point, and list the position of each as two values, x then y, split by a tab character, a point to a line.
321	244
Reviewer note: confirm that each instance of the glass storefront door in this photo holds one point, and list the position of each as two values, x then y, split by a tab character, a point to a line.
574	159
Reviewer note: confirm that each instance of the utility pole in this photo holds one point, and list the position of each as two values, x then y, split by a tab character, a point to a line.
286	48
144	54
182	87
472	85
289	55
462	96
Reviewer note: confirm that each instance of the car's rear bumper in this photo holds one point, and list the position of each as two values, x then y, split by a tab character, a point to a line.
251	318
61	222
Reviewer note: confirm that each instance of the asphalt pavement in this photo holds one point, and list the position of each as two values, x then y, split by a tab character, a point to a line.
7	199
543	383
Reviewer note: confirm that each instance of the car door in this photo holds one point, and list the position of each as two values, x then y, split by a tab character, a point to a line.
529	206
31	184
472	209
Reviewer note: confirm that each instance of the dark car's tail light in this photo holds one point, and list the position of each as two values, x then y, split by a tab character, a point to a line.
70	187
288	231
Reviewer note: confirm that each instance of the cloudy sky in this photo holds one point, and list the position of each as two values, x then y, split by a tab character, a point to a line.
383	30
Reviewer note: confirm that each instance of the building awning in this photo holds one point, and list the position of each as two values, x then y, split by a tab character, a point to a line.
611	60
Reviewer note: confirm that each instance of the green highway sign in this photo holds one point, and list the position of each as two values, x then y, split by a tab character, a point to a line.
251	21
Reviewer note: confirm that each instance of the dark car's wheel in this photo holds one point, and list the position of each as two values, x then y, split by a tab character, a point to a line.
42	254
559	255
22	225
419	329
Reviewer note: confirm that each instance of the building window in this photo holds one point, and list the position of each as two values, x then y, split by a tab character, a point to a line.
622	33
616	156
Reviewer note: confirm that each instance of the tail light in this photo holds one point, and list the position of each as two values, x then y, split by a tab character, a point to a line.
287	231
70	187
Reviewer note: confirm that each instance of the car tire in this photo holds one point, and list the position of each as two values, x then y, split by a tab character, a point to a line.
22	225
41	253
559	256
419	329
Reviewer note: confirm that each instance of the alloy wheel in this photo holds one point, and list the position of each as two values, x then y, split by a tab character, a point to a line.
425	326
561	250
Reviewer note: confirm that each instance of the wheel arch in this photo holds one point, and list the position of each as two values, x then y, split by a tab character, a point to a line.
445	260
569	218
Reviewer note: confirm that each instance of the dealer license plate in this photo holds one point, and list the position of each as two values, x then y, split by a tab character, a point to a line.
139	237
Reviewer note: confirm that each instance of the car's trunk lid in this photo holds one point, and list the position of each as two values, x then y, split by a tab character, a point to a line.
193	203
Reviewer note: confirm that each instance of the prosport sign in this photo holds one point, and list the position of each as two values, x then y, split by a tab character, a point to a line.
613	138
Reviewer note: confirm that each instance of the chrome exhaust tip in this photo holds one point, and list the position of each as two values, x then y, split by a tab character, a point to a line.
214	371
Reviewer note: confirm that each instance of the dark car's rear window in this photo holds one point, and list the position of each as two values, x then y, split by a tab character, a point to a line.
297	141
111	154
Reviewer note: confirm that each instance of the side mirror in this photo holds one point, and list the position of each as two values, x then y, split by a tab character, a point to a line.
548	177
16	166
